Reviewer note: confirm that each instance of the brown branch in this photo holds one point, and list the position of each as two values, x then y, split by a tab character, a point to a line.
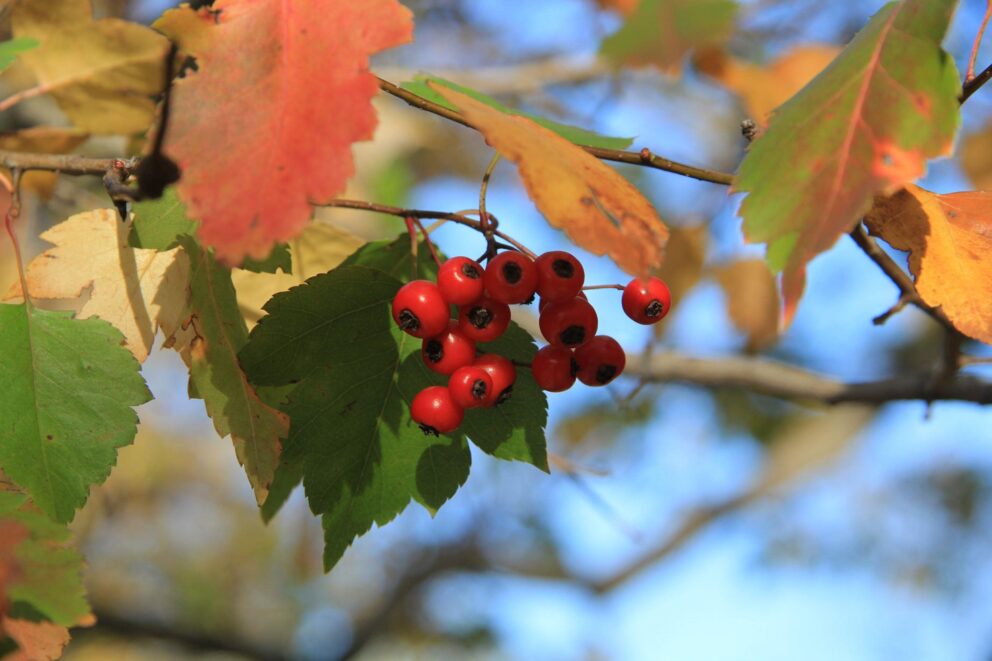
975	84
775	379
65	163
899	277
970	73
643	157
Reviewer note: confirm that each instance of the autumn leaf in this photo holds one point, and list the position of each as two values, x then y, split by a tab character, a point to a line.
36	641
662	32
104	74
138	291
865	126
304	68
624	7
752	301
685	255
764	88
949	240
598	209
976	157
38	140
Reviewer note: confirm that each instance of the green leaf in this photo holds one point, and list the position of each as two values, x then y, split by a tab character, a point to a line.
65	404
10	49
322	322
574	134
865	126
46	572
393	256
159	224
216	376
662	32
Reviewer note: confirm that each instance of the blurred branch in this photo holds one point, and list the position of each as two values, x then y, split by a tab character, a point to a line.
64	163
113	624
768	377
644	157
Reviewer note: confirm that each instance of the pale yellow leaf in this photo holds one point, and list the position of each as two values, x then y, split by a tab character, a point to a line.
949	240
320	248
104	74
136	290
752	301
598	209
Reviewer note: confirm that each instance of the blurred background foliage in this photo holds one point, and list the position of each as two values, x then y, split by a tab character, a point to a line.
677	522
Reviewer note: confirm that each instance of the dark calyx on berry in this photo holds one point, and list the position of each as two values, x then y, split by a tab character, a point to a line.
428	430
563	268
654	308
408	321
470	271
434	351
573	336
479	390
606	373
512	272
505	395
480	317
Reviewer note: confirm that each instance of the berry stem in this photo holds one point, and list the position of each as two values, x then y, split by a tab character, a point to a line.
413	247
620	287
427	239
488	227
12	213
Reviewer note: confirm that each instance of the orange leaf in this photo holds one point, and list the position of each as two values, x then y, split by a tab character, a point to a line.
949	239
36	641
624	7
752	301
264	128
764	88
598	209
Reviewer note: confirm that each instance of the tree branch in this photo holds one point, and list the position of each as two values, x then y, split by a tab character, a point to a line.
975	84
643	157
767	377
65	163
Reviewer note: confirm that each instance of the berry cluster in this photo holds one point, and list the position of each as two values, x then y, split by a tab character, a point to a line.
483	297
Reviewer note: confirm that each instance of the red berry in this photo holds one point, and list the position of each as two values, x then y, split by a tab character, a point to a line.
511	277
646	301
600	360
420	310
503	374
484	320
560	276
470	386
544	303
569	323
460	280
554	368
435	411
448	351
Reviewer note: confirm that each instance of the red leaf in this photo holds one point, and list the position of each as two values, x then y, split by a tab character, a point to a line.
264	127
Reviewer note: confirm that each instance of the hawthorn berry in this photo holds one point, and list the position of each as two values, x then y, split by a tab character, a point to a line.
448	351
435	411
484	320
544	303
469	386
460	280
600	360
646	301
420	310
560	276
503	374
511	277
554	368
569	323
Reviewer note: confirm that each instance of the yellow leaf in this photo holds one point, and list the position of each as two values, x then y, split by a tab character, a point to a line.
976	157
752	301
104	74
764	88
598	209
318	249
136	290
949	240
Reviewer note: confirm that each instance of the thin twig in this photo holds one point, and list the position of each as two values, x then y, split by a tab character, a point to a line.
488	226
970	73
588	287
975	84
644	157
427	240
